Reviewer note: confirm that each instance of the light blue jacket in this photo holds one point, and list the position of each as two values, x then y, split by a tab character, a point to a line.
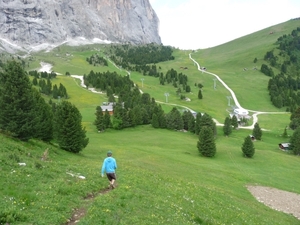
109	165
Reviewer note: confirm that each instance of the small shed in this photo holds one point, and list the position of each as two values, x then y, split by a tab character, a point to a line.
284	146
109	106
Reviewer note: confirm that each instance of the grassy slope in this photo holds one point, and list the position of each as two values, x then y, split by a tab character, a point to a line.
162	179
230	59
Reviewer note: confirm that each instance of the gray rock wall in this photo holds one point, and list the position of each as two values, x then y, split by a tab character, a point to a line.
30	22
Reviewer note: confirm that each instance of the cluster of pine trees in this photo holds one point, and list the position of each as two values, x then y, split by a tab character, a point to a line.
96	60
25	115
128	55
143	58
109	82
284	88
43	80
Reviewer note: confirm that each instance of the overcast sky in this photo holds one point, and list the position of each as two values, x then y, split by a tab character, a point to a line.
195	24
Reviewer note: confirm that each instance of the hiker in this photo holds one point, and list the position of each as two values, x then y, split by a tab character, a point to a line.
109	166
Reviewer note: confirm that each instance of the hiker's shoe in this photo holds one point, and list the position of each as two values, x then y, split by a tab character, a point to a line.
112	186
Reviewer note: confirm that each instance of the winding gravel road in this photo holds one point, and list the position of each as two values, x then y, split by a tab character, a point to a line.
236	102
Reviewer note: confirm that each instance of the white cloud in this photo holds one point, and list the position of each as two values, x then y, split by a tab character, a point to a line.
192	24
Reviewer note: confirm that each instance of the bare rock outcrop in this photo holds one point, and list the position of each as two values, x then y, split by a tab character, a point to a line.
32	22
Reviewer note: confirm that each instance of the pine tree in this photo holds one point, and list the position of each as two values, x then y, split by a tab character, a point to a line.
99	121
257	132
68	131
55	92
17	116
206	120
200	96
234	122
107	121
137	115
191	123
154	121
284	133
43	118
174	120
248	147
34	81
295	142
295	119
160	115
197	125
227	128
206	144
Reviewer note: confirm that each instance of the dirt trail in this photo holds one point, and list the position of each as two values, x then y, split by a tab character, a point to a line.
80	212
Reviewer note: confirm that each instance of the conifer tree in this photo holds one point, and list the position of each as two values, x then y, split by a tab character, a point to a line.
154	121
227	128
197	125
187	118
257	132
191	123
43	118
99	121
174	120
295	142
295	119
206	144
206	120
248	147
200	96
160	115
234	122
106	118
68	130
17	116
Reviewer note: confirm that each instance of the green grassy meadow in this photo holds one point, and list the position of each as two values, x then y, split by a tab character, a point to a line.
161	178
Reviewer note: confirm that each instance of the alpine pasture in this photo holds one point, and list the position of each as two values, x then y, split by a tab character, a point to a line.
161	178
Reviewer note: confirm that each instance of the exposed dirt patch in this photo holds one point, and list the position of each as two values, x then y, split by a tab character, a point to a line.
284	201
80	212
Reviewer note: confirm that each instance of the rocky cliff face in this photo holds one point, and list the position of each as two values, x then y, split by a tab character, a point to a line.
32	22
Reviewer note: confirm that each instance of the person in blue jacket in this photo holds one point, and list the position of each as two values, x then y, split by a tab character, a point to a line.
109	167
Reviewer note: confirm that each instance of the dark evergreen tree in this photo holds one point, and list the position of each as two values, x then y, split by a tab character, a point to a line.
295	119
174	120
295	142
137	115
197	125
55	92
34	81
284	133
161	116
187	117
227	128
248	147
43	118
106	120
257	132
206	144
99	121
234	122
17	113
68	130
200	96
206	120
154	121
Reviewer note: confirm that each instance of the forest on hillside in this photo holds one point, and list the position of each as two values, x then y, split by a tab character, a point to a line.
284	87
